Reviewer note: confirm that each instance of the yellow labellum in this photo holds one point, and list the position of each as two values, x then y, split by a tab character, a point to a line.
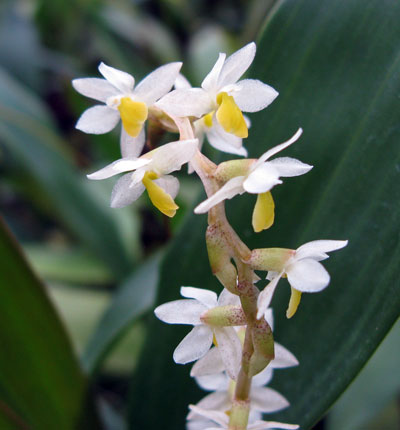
230	116
133	115
160	199
264	212
294	302
208	119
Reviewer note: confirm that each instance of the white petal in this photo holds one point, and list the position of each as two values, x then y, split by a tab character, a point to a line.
263	378
262	179
233	187
218	401
254	95
267	400
207	297
181	82
169	184
317	249
95	88
223	141
283	358
198	423
210	82
157	83
180	312
230	349
131	146
172	156
98	120
123	193
194	345
265	297
307	276
217	416
216	382
121	80
186	102
210	364
290	167
269	317
277	149
264	425
227	298
118	166
237	64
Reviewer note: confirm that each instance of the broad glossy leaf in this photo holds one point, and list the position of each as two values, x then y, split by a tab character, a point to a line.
27	132
134	297
336	65
41	382
360	405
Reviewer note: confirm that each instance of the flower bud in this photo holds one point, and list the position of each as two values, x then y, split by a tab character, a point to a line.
230	169
269	259
219	256
263	343
224	316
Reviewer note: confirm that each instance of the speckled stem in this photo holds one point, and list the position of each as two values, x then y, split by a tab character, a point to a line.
246	290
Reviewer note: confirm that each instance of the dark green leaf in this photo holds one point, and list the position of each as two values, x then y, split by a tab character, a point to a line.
41	383
336	65
134	297
26	129
374	388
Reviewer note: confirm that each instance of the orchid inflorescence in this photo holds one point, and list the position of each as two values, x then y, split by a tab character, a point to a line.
238	322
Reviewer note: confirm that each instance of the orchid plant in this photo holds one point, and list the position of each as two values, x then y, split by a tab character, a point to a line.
231	340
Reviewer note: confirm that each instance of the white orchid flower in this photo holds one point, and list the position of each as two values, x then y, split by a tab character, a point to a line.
222	419
199	311
259	178
122	100
212	363
216	135
150	172
262	398
222	98
304	273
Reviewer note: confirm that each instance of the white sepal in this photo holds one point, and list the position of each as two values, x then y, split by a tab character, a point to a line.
254	95
98	120
207	297
236	64
233	187
180	312
95	88
307	276
119	79
123	193
157	83
194	345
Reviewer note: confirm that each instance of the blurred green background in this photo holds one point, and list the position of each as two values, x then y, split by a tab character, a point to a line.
100	267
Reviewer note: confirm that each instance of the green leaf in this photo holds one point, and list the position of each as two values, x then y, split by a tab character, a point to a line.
134	297
70	265
27	132
376	385
336	65
41	382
